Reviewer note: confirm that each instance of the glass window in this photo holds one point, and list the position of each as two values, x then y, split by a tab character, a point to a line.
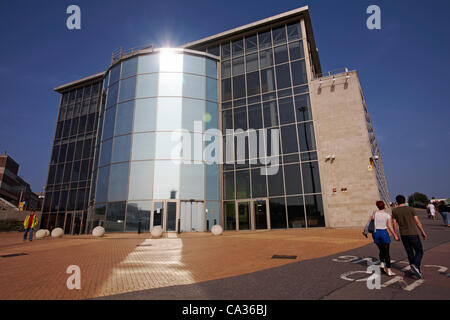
294	31
87	149
138	211
118	182
299	75
242	184
226	69
214	50
240	118
238	47
115	73
168	145
225	50
296	212
293	179
259	186
141	180
127	89
170	61
211	89
115	217
105	156
129	68
169	114
74	128
193	86
166	180
78	150
227	120
289	137
281	54
112	95
267	80
265	40
147	85
212	182
276	184
108	129
76	171
124	120
238	87
228	185
314	211
194	64
102	184
270	114
251	44
283	76
143	146
296	50
149	63
82	125
279	35
266	58
303	107
251	62
211	68
121	149
255	116
238	66
277	213
193	110
311	178
171	84
286	107
192	178
229	215
252	83
226	89
306	136
211	117
145	115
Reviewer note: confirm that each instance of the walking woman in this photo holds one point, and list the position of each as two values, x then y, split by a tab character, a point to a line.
383	223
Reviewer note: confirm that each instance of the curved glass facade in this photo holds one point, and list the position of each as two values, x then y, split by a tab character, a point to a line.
149	169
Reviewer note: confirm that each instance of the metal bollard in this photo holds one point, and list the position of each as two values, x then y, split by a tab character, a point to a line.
139	226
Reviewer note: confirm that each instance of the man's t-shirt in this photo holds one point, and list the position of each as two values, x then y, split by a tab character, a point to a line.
405	219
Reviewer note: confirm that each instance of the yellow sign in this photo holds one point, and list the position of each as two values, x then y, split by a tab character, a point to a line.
21	205
370	167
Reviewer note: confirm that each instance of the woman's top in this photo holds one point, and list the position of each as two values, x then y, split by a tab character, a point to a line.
381	219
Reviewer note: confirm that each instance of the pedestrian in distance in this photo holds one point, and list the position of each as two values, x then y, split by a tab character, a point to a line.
444	211
382	223
431	210
29	223
407	222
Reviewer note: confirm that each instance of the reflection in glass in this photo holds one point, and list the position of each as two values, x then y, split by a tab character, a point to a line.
124	119
211	89
212	182
281	54
149	63
265	39
303	107
171	216
277	213
293	179
314	211
252	83
170	61
129	68
191	184
166	180
121	148
228	185
226	69
266	58
244	215
193	86
105	155
194	64
147	85
112	95
118	182
226	89
143	146
299	74
141	180
283	76
170	84
306	136
296	50
211	68
145	115
259	186
115	217
255	116
267	80
102	184
251	44
238	66
158	214
294	31
242	184
251	62
270	114
296	212
311	177
127	89
229	215
169	114
238	87
289	139
193	110
279	35
286	108
138	211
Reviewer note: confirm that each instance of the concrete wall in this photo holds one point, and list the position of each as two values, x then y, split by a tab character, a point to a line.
340	125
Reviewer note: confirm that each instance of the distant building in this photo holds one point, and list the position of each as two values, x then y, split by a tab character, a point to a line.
13	188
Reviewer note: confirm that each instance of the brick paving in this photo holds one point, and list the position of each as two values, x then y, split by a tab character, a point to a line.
120	263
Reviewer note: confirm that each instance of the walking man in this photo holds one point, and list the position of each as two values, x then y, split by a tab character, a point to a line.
407	221
30	222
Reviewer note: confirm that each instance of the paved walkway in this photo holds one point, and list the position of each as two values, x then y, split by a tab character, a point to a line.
120	263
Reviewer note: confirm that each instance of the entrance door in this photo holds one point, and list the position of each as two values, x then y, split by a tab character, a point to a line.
244	215
158	214
260	214
171	216
77	223
191	216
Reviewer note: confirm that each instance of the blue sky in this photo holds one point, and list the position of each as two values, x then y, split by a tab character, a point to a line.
404	68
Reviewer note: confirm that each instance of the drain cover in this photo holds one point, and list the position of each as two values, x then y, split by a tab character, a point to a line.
277	256
143	245
13	255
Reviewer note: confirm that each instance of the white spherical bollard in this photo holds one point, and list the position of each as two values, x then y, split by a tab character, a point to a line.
47	233
41	234
98	231
217	230
157	232
57	233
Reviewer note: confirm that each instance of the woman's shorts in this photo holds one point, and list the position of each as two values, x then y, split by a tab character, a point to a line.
381	236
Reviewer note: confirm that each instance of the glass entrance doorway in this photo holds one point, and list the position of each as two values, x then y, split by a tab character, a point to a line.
157	217
252	214
192	216
260	213
244	215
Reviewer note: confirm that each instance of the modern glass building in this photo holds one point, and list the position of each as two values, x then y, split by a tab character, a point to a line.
228	130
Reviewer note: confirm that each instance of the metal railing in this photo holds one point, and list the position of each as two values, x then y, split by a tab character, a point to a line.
120	52
331	73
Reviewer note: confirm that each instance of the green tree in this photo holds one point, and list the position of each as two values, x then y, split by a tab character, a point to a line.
418	200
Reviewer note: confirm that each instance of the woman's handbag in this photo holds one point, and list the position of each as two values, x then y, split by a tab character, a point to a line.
371	227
